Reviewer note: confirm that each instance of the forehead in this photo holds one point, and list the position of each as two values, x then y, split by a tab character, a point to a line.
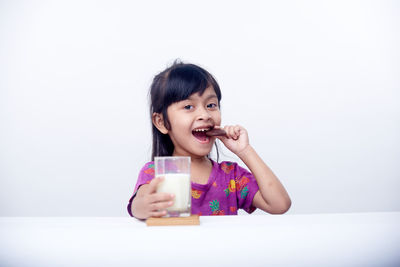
208	93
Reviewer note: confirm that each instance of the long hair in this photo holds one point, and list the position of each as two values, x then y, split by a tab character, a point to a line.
174	84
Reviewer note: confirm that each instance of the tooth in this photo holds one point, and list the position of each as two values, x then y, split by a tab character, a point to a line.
202	130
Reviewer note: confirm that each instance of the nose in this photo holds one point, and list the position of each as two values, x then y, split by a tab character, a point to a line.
204	114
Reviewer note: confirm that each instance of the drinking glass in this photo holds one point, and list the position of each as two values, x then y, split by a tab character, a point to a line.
176	173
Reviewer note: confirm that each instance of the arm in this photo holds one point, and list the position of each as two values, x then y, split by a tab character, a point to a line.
272	196
148	203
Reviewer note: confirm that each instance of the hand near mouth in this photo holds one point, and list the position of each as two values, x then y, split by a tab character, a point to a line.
235	138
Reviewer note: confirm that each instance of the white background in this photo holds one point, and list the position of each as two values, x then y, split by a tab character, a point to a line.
316	84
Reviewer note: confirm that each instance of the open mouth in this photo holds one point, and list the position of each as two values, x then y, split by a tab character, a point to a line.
200	134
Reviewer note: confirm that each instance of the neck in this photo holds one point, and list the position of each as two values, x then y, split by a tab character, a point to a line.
196	160
199	160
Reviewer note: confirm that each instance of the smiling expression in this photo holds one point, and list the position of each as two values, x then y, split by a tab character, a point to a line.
190	119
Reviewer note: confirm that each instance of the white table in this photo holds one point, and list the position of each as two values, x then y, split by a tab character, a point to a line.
359	239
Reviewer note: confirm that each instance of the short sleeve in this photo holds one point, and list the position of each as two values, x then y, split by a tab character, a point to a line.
246	188
146	174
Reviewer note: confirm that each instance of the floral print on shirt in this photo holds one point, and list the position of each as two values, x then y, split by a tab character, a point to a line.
229	188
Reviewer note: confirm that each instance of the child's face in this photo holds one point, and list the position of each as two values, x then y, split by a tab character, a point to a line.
188	117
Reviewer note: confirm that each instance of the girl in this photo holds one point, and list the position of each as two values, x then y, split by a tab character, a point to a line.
185	104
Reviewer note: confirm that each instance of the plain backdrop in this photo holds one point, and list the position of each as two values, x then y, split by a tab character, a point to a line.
316	84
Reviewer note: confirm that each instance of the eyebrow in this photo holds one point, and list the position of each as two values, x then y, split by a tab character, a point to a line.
210	96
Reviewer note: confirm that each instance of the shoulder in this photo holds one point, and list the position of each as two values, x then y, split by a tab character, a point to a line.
146	174
231	168
148	168
226	166
149	164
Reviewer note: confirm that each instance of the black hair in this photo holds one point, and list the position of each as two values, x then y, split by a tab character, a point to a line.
174	84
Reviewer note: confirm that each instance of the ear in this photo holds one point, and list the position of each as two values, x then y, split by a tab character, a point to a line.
158	121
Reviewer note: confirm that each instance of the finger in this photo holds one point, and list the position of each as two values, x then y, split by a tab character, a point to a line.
161	197
222	137
230	132
158	213
236	131
153	184
161	205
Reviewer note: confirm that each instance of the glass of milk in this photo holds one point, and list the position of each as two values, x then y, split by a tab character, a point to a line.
176	173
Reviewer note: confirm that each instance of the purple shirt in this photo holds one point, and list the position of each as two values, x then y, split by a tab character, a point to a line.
229	188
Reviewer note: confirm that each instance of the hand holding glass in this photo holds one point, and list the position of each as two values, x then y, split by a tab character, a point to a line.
176	173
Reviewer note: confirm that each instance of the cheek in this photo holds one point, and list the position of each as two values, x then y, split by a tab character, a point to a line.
217	118
179	125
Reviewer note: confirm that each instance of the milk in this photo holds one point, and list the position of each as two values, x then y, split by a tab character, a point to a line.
179	185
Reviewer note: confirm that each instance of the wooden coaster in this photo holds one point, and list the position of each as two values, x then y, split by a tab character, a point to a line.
190	220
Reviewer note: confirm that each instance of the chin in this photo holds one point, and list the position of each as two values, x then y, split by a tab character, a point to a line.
201	153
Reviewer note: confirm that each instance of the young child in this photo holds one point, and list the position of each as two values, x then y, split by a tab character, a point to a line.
185	103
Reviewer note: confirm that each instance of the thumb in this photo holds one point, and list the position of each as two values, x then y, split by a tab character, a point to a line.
223	138
154	183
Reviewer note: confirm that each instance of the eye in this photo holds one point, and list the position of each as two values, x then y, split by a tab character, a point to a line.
188	107
212	105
